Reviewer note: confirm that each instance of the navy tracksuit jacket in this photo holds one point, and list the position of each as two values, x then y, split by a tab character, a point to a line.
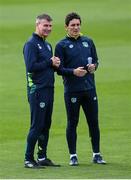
40	85
79	91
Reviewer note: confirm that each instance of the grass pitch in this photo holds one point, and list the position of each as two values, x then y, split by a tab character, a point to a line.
108	23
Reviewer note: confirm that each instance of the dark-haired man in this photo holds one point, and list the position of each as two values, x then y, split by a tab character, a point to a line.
40	66
79	61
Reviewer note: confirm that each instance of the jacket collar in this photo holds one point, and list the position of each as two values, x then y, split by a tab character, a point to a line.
72	38
38	37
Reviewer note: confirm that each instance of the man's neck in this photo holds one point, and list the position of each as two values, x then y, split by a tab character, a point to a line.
43	37
75	37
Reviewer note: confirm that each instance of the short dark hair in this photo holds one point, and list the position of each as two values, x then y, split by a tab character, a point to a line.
71	16
43	16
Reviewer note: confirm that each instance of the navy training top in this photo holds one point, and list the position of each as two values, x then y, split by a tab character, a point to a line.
37	55
75	53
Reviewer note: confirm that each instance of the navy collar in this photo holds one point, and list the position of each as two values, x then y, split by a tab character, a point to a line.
38	37
72	38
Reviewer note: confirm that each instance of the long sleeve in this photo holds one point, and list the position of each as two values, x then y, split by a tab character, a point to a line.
31	56
59	52
94	54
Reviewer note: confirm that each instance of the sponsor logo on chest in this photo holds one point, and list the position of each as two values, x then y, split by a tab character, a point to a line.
39	46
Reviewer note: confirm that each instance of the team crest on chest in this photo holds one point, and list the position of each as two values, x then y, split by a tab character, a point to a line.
85	44
71	46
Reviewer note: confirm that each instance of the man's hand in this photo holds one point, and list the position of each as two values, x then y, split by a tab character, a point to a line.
55	61
80	72
91	68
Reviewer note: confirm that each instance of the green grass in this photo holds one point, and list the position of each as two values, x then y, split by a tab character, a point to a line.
108	23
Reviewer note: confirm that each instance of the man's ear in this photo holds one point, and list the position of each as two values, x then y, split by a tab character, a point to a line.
66	27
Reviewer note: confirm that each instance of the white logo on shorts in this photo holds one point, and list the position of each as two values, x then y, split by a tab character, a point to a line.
94	98
73	100
42	104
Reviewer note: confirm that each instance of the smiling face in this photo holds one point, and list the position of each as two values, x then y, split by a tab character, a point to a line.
73	28
43	27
